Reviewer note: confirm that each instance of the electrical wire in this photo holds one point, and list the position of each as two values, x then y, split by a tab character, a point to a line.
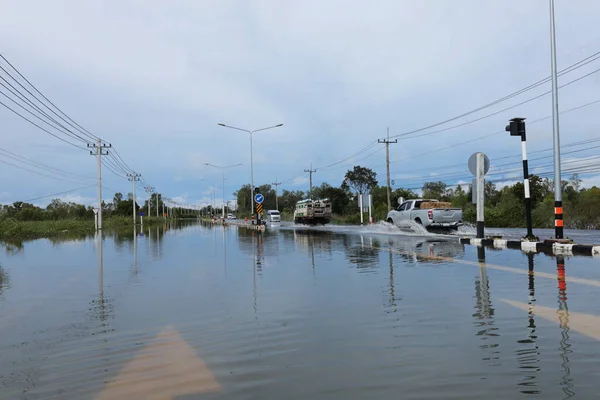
39	173
74	124
571	68
27	101
58	194
22	159
45	130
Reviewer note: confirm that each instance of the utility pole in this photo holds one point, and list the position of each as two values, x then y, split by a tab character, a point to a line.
149	190
558	209
99	152
276	184
310	172
387	163
134	178
156	194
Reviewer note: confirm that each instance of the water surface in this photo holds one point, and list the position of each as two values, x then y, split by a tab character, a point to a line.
216	312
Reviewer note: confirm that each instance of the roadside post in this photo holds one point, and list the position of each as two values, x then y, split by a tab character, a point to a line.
516	127
259	198
95	218
370	208
479	165
365	202
360	207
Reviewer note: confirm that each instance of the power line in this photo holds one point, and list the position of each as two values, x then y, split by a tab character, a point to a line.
57	194
22	159
38	173
571	68
45	130
490	134
27	101
74	124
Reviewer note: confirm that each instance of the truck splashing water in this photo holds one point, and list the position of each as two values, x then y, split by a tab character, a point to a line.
312	212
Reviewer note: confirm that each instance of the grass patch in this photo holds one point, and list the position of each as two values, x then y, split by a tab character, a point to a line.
14	231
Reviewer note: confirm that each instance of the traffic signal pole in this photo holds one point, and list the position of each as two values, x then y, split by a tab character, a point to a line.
516	127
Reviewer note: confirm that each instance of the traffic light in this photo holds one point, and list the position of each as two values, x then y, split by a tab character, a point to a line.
256	190
516	127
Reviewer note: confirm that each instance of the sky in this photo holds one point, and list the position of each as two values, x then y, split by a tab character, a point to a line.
154	78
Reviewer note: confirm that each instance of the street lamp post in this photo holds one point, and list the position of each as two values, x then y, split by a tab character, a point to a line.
223	168
251	160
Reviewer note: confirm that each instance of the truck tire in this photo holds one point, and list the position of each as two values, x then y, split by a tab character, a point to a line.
418	221
390	221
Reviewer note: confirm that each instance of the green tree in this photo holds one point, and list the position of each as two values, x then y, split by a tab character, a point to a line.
338	197
436	190
360	180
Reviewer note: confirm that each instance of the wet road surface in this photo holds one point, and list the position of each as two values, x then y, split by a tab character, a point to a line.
213	312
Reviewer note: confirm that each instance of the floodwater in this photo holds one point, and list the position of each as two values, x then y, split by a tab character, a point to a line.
212	312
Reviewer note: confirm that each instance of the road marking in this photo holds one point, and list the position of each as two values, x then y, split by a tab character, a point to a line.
166	368
586	324
570	279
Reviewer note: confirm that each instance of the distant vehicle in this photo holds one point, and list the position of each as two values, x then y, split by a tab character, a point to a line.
312	212
432	214
230	216
273	216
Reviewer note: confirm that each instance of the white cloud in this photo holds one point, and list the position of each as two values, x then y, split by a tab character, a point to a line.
160	79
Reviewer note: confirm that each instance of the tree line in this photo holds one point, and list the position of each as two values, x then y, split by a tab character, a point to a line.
504	207
118	207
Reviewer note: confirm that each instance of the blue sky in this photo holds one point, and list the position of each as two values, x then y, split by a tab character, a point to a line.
154	78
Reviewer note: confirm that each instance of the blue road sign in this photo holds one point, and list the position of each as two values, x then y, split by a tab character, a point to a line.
141	214
259	198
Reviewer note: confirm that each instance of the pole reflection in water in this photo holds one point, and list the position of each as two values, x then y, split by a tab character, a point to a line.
529	356
134	272
101	306
392	303
157	243
563	317
224	251
485	312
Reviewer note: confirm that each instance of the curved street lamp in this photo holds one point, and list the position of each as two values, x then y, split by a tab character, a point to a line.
223	168
251	160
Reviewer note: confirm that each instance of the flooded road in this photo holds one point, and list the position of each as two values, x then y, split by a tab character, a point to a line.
213	312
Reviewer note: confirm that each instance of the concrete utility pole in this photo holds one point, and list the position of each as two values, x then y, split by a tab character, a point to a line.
310	172
387	163
252	210
156	194
558	210
134	178
149	190
99	152
276	184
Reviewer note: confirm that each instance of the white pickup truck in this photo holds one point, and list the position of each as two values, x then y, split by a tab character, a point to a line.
431	214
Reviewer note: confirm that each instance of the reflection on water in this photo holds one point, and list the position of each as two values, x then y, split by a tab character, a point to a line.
565	347
529	355
484	316
4	282
362	251
273	313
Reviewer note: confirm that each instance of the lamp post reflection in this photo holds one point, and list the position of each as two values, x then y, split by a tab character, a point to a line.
563	317
528	357
485	312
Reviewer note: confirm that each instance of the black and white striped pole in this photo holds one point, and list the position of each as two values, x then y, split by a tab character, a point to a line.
517	128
